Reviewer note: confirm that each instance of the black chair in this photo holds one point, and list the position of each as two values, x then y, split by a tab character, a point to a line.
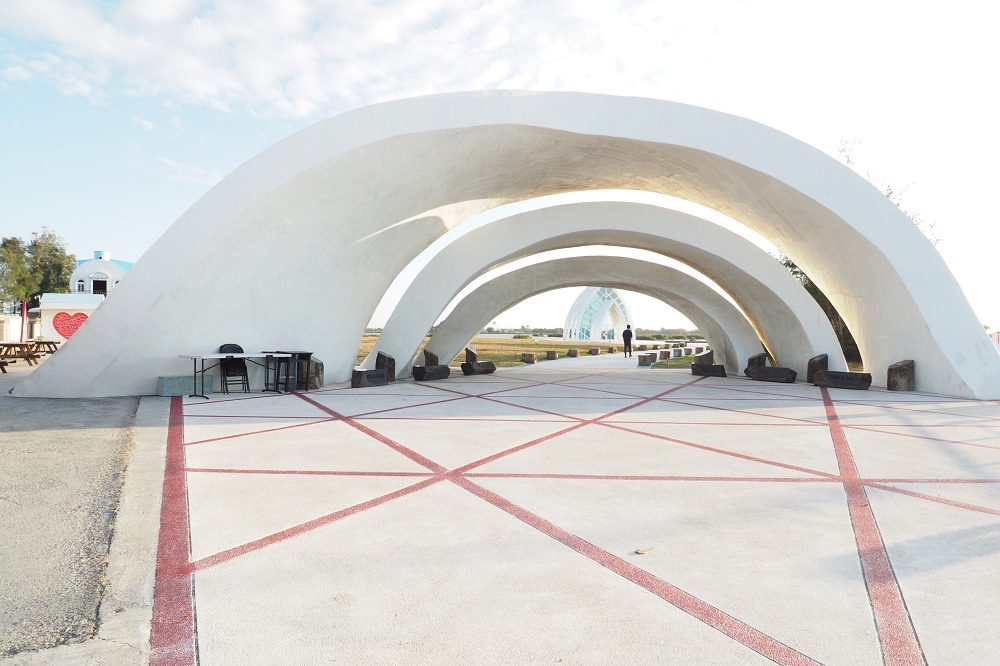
233	370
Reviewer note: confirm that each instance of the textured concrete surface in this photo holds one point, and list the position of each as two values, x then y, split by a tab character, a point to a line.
581	511
61	471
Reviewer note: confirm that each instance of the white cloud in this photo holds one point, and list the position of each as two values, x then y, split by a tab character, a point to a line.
190	174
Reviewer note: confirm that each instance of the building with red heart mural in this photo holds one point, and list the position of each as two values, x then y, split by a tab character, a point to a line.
61	315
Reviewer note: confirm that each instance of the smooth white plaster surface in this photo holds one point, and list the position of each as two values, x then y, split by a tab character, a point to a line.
335	211
788	320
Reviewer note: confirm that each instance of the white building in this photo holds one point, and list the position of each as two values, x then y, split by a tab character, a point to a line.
98	275
61	315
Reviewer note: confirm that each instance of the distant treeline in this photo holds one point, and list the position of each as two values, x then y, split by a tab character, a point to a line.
643	333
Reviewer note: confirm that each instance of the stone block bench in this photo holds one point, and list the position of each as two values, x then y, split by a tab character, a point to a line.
385	362
664	354
816	363
426	373
478	368
706	357
755	361
551	355
858	381
646	360
902	377
763	373
362	378
594	351
528	357
473	366
708	370
573	353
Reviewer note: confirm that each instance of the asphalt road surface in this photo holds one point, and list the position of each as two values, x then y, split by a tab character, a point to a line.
61	465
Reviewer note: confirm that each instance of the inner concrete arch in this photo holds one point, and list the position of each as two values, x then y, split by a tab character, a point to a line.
788	321
723	325
359	195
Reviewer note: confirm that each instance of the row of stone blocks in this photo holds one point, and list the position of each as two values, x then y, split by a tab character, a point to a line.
550	355
901	375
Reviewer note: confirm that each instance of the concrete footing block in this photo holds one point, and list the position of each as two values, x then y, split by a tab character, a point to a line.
362	378
763	373
426	373
708	370
858	381
902	376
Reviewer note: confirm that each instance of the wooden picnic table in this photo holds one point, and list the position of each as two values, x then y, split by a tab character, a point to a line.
46	346
15	351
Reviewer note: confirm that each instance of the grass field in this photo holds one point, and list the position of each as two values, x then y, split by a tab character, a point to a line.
506	352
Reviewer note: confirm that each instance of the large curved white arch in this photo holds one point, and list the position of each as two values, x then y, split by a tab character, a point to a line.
787	319
338	209
723	325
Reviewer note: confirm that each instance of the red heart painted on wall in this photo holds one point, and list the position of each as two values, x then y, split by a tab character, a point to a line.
67	324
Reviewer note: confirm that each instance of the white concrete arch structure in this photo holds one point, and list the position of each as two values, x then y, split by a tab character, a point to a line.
728	332
787	319
591	309
337	210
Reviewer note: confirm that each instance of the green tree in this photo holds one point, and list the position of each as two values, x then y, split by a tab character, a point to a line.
50	262
30	269
17	281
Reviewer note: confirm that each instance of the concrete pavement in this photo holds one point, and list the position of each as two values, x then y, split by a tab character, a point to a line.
578	511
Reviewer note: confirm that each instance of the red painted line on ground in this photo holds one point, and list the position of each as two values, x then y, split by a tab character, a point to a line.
284	535
575	426
746	411
471	419
246	417
910	480
305	472
237	398
521	447
389	410
724	452
701	610
900	646
925	437
396	446
806	424
934	498
895	406
172	637
257	432
637	477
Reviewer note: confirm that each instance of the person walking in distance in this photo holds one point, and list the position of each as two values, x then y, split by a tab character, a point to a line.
627	339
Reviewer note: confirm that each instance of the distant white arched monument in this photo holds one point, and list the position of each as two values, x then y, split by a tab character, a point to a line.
598	313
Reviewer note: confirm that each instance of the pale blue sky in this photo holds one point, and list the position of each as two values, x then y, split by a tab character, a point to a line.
115	117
